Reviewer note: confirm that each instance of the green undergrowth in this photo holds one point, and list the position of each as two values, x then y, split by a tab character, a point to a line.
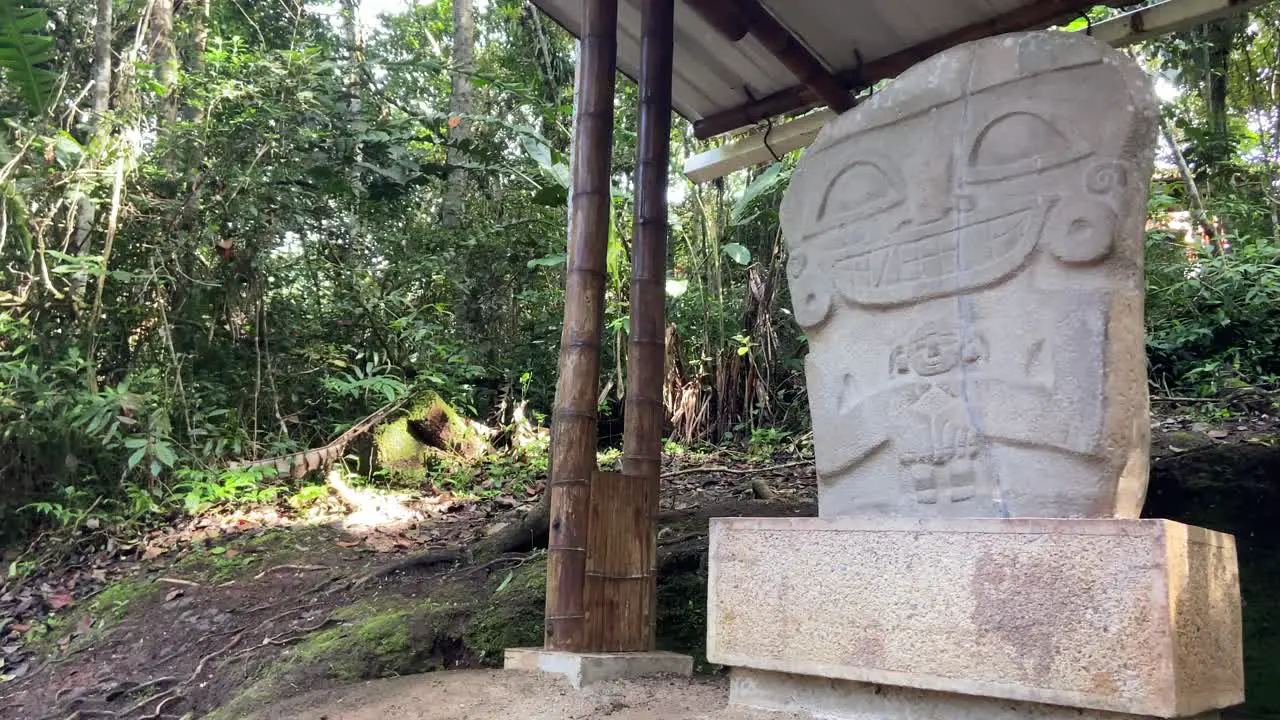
458	625
461	624
83	624
233	557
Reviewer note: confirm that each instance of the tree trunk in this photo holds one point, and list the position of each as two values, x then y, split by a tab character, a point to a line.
199	45
355	46
1188	180
354	32
102	68
86	212
164	54
459	109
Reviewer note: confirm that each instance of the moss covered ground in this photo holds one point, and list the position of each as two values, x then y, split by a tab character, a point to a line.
461	623
86	623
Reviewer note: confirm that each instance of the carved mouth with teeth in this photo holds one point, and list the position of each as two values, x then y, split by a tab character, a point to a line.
939	261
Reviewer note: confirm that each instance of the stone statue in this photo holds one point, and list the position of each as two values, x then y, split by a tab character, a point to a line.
966	254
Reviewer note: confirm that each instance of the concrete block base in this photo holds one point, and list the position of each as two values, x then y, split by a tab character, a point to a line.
848	700
583	669
1122	616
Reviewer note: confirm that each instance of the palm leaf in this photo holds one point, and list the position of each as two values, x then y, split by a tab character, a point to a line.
24	49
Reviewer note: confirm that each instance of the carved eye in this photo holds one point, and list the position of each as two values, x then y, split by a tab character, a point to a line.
863	188
1019	143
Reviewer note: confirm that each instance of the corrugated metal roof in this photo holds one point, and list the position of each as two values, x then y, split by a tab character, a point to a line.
713	74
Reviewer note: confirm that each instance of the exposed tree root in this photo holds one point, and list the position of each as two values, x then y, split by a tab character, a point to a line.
422	561
129	688
160	707
162	700
298	568
733	471
200	666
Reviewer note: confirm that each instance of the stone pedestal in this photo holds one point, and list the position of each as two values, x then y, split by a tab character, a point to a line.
965	257
1115	617
583	669
848	700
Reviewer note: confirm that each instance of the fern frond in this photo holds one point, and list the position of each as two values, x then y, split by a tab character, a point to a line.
25	48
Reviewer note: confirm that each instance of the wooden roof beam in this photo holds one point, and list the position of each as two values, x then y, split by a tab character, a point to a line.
801	97
762	146
735	19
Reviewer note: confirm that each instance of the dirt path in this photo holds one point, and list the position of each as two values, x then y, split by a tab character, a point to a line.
489	694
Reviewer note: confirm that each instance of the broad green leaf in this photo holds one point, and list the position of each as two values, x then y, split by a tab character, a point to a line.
505	582
25	51
136	457
548	261
556	196
67	150
165	454
737	253
767	181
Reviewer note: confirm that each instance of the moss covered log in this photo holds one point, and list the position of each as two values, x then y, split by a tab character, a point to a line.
429	429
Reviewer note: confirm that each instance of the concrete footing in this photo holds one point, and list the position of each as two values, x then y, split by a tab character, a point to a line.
583	669
1137	617
849	700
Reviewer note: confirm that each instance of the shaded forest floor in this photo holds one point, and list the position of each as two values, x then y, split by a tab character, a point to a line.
230	610
225	612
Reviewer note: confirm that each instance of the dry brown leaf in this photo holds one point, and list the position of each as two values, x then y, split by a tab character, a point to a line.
174	595
20	627
85	624
347	543
57	601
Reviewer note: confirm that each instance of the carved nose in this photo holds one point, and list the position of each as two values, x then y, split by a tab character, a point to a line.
932	206
941	205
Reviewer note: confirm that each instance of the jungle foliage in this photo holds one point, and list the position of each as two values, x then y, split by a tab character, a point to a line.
230	230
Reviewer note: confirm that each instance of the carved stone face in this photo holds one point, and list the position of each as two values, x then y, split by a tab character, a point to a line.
933	351
979	225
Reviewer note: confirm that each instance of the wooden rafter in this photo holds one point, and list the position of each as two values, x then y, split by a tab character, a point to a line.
735	19
1152	21
800	97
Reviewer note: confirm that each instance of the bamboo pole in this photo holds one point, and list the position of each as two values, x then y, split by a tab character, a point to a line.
646	347
573	441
